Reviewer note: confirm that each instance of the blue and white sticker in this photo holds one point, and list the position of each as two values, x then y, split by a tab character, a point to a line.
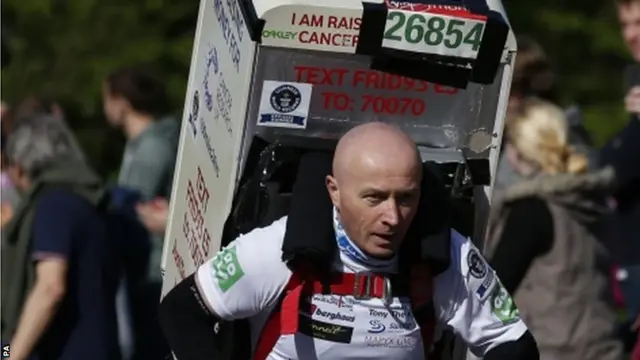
284	104
482	279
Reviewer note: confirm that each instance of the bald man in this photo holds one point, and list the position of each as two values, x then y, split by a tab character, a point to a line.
375	191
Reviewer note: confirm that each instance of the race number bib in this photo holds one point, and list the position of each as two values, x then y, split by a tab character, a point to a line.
437	34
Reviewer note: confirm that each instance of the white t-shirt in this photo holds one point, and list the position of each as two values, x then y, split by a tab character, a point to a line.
246	279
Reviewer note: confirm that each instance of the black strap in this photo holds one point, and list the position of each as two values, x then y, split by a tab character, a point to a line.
188	324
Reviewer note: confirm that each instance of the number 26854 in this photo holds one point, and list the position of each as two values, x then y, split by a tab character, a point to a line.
434	30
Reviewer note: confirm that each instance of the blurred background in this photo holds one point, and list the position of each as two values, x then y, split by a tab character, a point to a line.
73	60
65	49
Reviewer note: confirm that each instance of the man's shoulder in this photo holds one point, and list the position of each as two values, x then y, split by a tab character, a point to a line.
460	246
464	255
260	248
247	276
268	238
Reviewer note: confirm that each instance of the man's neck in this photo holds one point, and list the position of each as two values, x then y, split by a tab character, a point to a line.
135	124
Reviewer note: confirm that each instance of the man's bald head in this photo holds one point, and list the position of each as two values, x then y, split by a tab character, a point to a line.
376	185
371	144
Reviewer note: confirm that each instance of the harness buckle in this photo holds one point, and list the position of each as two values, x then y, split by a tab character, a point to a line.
372	288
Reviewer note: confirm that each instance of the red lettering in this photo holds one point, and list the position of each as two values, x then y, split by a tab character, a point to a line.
206	243
327	38
359	76
337	100
392	82
192	240
203	192
177	259
299	71
372	80
186	229
442	89
392	105
343	23
199	223
331	23
320	76
312	21
192	202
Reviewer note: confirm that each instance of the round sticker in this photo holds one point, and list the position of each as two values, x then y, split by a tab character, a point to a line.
477	266
285	98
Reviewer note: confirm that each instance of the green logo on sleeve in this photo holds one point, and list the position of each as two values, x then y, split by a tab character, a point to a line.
226	268
503	306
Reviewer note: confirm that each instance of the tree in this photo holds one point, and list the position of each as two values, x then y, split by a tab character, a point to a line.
583	40
66	48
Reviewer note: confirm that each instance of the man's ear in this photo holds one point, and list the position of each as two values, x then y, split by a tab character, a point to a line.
333	189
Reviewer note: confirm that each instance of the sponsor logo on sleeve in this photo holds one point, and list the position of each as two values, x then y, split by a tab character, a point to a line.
226	268
482	278
503	305
476	264
325	331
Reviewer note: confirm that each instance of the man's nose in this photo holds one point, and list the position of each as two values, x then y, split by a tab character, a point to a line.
391	213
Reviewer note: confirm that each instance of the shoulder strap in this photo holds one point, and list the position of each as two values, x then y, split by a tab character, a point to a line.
284	320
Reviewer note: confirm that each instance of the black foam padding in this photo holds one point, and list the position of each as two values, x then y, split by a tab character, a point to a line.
310	236
489	57
255	25
429	237
374	19
309	231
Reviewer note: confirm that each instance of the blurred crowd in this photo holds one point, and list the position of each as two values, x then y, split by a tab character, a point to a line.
85	298
563	234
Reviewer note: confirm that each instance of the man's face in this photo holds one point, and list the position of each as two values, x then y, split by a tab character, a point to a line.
629	17
114	107
377	202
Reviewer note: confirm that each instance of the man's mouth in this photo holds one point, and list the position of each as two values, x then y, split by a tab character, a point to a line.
386	237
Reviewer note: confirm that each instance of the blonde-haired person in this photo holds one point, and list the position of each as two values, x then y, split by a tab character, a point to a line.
534	76
542	240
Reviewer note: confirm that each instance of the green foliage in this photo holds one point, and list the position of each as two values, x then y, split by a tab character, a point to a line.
66	48
583	40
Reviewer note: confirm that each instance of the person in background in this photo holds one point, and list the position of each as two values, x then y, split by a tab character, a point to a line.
543	239
154	215
623	154
533	76
29	106
136	102
59	267
8	194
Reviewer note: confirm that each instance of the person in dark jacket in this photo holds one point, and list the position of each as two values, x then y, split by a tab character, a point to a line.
623	154
59	268
544	239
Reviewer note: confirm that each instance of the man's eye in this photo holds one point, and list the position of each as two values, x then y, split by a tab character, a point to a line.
374	199
406	199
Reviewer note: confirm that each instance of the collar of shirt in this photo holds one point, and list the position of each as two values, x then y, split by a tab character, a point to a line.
353	257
